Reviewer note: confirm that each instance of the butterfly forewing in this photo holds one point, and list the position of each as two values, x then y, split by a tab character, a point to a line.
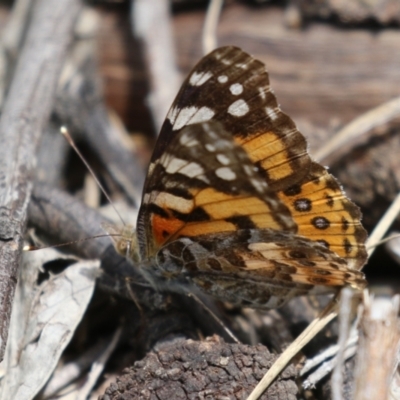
232	87
204	183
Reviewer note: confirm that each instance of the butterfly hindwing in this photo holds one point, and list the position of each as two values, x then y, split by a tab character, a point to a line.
261	268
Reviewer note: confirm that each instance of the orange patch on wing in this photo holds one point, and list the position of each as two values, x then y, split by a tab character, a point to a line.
209	195
265	221
206	228
236	207
163	228
270	150
328	203
222	206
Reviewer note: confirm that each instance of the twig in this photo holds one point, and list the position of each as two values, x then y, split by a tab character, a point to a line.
209	36
383	225
72	370
357	130
151	22
26	111
10	43
327	354
393	246
98	366
327	315
80	105
344	328
327	367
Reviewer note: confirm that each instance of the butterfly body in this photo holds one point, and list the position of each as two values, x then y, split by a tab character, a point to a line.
233	203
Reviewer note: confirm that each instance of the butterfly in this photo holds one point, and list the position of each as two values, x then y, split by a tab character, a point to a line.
233	204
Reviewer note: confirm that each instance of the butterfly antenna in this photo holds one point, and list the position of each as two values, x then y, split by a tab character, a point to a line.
29	247
67	135
213	315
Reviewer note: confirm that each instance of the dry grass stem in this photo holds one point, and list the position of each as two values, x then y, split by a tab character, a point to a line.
209	36
152	22
357	131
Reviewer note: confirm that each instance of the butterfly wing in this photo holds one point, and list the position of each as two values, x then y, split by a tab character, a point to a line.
193	192
231	87
259	268
323	213
204	183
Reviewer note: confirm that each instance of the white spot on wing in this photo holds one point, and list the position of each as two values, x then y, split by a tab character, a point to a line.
210	147
222	79
236	89
172	113
258	185
238	108
210	132
146	198
191	170
225	173
242	66
262	93
187	140
249	171
151	169
223	159
173	164
168	200
271	113
204	114
198	78
192	115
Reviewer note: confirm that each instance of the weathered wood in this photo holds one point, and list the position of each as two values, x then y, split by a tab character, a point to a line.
377	357
322	76
26	111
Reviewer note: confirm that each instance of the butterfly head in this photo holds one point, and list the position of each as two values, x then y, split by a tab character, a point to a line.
124	240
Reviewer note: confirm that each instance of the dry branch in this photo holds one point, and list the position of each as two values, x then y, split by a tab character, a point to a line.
151	22
26	111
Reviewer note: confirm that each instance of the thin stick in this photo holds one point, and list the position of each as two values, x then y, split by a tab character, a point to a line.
208	309
327	315
357	128
385	240
383	225
329	353
34	248
151	20
98	366
66	134
209	36
344	330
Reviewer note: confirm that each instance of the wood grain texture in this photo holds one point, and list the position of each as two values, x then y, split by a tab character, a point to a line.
322	75
26	111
